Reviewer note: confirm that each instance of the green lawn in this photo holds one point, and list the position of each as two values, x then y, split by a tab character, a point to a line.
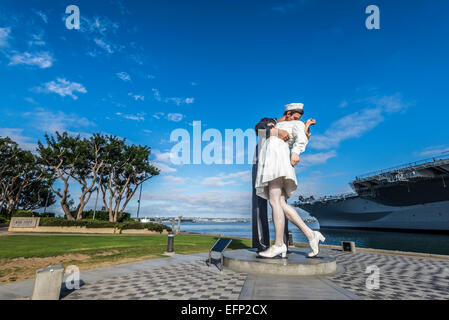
22	255
47	246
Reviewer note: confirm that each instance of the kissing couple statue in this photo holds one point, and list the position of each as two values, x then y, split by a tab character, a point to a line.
274	180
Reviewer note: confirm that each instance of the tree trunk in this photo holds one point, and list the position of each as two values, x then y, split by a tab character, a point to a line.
66	210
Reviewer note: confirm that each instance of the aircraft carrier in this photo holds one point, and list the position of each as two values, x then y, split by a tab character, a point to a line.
412	197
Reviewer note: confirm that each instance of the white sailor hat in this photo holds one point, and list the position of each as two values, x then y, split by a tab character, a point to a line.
294	106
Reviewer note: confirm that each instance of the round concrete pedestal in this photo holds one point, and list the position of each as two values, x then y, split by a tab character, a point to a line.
297	263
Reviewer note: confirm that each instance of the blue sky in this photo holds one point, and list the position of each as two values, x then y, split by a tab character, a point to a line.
140	69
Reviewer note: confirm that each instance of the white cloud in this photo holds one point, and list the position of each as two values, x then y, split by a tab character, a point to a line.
16	135
316	158
226	179
97	29
137	58
389	104
179	101
216	182
156	93
175	180
41	15
98	25
63	88
103	45
137	96
356	124
36	40
158	115
176	117
343	104
176	100
163	167
137	117
210	203
162	161
42	60
48	121
121	6
4	36
161	156
30	100
434	150
124	76
350	126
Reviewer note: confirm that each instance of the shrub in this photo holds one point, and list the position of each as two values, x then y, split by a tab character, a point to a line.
24	213
124	217
133	225
101	224
99	215
47	215
91	224
2	220
61	222
103	215
157	227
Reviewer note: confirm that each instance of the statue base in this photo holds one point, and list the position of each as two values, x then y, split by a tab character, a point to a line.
296	264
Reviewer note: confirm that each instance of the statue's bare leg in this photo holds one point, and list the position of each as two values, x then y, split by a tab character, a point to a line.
294	217
275	193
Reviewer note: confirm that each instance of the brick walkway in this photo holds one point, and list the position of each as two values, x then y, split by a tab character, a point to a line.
188	281
400	277
188	277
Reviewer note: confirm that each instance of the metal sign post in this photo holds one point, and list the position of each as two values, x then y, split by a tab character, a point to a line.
219	246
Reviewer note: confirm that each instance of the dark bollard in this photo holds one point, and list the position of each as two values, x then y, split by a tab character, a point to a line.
290	239
170	244
348	246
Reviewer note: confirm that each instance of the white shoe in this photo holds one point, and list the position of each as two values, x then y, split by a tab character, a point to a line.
274	251
315	244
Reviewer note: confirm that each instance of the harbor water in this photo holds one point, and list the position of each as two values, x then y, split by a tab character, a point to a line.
401	241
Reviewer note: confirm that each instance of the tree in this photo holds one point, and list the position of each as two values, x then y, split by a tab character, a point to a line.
126	167
87	170
68	157
37	195
22	178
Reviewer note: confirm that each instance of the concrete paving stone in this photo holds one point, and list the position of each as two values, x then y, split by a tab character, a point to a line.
188	277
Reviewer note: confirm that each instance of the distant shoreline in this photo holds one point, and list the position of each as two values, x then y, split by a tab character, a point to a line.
304	244
213	220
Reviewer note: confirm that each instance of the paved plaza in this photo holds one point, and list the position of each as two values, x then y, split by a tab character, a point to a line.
188	277
188	280
401	277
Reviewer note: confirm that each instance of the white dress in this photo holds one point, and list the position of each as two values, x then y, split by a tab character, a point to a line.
274	158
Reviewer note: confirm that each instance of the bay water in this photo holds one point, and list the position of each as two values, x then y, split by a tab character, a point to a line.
402	241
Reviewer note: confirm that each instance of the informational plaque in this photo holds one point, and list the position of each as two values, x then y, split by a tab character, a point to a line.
24	222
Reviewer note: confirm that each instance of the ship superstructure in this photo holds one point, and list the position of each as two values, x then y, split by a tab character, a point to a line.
413	196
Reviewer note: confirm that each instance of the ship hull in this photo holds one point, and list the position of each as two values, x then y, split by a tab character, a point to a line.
361	213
